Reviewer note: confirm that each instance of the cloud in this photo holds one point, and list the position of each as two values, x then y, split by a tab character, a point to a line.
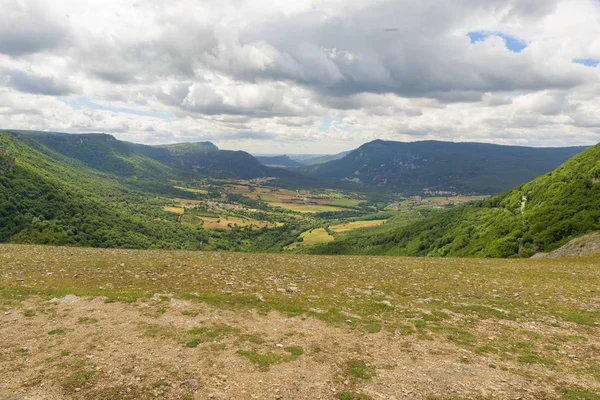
31	83
29	27
267	73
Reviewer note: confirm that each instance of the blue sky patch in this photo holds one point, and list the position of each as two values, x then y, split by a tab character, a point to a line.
512	43
80	101
326	122
588	62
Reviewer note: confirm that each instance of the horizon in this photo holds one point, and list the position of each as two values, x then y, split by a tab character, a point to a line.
313	77
263	154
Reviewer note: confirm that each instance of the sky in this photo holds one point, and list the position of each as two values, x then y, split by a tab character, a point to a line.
305	76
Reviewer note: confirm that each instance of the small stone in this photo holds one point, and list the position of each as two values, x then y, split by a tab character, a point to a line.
70	298
279	345
191	384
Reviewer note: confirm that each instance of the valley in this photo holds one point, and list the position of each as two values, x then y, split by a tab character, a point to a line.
188	272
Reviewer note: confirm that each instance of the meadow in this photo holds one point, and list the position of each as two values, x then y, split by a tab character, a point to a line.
99	323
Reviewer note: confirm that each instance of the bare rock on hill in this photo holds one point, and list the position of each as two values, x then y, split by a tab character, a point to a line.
586	244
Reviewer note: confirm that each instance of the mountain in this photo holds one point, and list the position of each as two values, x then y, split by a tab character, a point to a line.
466	168
320	159
105	153
278	161
538	216
48	198
96	191
206	159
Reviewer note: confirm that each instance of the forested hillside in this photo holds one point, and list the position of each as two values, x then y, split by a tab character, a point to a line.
466	168
105	153
538	216
49	198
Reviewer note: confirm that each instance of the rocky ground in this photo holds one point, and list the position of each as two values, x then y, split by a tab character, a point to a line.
353	328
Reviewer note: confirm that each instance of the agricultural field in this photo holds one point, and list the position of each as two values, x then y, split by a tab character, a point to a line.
227	222
311	237
433	202
302	201
174	210
348	226
82	323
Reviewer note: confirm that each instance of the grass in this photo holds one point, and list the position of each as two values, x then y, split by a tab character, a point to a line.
579	394
295	351
78	380
263	361
535	359
87	320
359	369
191	313
352	396
205	334
475	304
314	236
348	226
174	210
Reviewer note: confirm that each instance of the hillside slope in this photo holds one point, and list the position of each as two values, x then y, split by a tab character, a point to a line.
278	161
583	245
105	153
538	216
467	168
47	198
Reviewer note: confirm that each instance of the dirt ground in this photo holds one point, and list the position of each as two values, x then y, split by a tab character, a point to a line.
85	348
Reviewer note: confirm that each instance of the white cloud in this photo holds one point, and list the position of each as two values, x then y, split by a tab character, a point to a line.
262	76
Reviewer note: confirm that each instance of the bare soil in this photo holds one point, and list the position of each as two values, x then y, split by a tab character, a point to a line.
117	350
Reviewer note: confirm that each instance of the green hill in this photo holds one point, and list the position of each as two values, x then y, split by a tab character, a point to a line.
47	198
538	216
105	153
95	191
466	168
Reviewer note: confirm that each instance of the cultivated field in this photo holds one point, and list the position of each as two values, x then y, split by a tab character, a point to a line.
348	226
122	324
313	236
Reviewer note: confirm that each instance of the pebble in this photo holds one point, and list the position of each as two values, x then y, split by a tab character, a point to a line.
191	384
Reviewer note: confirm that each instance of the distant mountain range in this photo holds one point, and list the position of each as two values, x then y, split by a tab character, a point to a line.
105	153
409	168
298	160
278	161
475	168
538	216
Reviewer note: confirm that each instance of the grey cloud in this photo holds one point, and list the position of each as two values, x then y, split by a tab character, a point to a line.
30	83
554	104
26	28
495	100
422	57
